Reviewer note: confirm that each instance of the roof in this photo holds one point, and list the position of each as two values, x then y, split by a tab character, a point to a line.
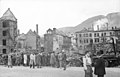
57	32
61	33
30	32
36	34
21	37
8	15
83	31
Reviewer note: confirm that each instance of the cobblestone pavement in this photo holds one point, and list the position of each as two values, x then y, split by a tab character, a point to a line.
20	71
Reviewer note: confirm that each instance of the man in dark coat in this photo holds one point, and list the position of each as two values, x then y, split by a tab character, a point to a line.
60	59
48	59
57	60
38	60
100	65
52	59
64	57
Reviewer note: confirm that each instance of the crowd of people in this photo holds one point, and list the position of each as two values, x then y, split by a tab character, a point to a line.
38	60
57	60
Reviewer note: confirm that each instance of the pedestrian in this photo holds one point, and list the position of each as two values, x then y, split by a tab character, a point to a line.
43	59
25	59
64	57
9	60
99	69
5	60
28	59
48	59
60	59
38	60
52	59
13	59
87	63
57	60
17	60
22	59
21	63
32	60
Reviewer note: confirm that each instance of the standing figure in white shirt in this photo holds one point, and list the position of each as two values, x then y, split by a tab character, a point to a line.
32	60
87	63
25	59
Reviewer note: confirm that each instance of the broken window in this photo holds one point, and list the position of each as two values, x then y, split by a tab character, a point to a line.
4	33
5	24
4	42
4	51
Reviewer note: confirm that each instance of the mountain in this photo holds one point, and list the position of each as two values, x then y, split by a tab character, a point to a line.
67	29
113	18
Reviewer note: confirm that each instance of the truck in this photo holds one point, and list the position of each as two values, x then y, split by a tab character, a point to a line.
111	58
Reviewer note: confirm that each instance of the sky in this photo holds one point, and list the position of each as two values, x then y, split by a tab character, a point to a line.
56	13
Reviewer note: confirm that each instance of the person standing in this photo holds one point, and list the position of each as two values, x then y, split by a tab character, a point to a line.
17	60
32	60
52	59
43	59
60	59
99	69
87	63
48	59
25	60
28	59
64	57
38	60
57	60
9	61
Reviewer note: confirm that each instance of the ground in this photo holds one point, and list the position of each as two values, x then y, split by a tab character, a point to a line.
51	72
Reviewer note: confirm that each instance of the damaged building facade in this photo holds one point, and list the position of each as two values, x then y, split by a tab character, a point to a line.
8	32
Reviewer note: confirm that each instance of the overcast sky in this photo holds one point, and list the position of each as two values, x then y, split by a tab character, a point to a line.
56	13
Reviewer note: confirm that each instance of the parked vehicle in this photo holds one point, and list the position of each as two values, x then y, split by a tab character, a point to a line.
110	60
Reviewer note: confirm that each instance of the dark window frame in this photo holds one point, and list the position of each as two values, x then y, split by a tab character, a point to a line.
4	42
4	51
80	35
90	35
4	33
94	34
5	24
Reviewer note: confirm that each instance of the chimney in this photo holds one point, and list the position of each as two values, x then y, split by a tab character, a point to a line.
97	27
8	8
37	28
107	25
93	27
112	28
54	30
18	32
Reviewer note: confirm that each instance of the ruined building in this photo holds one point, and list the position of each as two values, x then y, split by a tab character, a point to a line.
8	32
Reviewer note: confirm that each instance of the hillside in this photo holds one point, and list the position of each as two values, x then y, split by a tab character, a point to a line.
113	18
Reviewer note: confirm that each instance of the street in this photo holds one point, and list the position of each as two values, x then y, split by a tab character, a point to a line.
20	71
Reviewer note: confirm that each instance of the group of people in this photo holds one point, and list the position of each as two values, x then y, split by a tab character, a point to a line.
59	60
99	65
39	59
